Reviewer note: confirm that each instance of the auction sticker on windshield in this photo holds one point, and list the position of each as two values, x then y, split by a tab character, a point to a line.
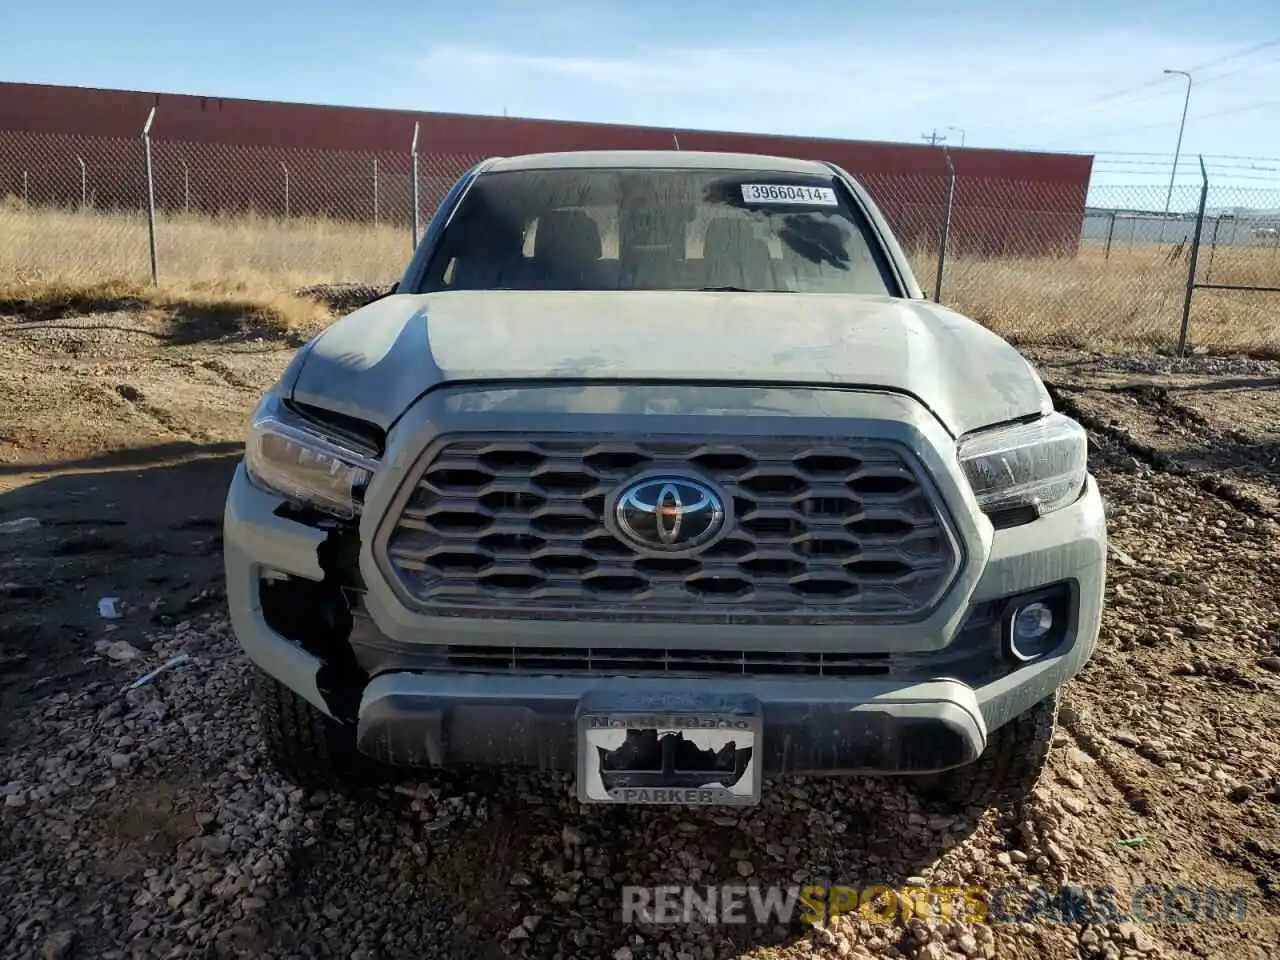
788	193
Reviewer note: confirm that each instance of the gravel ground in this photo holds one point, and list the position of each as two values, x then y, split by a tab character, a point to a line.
1190	365
145	823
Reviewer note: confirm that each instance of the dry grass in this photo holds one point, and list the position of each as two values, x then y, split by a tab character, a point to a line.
230	304
97	246
59	260
55	262
1132	301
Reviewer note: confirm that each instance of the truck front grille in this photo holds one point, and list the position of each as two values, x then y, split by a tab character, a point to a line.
513	525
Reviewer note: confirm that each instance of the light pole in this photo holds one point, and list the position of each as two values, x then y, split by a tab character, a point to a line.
1178	149
959	131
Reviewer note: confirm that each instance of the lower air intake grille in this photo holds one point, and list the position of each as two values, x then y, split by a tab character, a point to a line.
633	662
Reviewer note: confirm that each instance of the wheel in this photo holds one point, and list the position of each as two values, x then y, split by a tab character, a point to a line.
1008	768
310	749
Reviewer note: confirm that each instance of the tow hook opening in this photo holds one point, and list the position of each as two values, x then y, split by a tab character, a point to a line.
317	617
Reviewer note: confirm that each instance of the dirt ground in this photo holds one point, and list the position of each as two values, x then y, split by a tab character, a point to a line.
119	434
148	826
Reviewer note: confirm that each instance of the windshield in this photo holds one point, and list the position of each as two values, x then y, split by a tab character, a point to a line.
658	229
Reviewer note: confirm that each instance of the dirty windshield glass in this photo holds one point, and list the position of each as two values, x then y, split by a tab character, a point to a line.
666	229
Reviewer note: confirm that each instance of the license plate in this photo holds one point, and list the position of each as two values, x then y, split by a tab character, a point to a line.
685	759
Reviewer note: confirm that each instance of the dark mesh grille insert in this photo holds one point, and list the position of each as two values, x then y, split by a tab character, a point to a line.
515	525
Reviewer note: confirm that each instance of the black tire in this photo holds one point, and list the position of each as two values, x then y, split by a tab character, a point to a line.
311	750
1006	772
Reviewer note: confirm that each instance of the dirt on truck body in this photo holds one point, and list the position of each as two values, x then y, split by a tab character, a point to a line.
146	822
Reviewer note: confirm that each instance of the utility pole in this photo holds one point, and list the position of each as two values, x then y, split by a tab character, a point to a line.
934	138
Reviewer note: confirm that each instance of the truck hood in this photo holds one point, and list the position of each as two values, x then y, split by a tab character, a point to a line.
374	363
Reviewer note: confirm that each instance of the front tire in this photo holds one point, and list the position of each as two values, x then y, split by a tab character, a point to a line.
1008	769
309	749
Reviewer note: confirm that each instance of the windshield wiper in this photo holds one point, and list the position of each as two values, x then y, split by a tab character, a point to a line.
726	290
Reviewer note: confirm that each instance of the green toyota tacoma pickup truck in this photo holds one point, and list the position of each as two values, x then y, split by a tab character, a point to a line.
658	467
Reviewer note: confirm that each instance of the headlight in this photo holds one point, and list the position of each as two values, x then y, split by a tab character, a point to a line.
1042	465
290	457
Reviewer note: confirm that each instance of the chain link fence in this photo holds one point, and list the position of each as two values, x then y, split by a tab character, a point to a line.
1118	274
77	206
1032	260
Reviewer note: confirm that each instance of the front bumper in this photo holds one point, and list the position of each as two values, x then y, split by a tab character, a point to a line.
416	720
925	717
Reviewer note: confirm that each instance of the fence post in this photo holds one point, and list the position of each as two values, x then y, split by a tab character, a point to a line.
286	188
1191	267
186	187
1213	246
1111	230
26	192
151	195
946	228
84	184
375	191
413	162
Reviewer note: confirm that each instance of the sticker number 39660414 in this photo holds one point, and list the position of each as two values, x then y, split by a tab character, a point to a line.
788	193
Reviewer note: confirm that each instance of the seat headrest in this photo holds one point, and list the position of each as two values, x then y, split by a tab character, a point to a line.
734	256
567	235
729	235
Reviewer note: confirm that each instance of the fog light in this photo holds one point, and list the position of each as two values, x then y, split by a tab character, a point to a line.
1032	622
1032	625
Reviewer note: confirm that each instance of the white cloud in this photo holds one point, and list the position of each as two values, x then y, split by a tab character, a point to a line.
1002	88
744	87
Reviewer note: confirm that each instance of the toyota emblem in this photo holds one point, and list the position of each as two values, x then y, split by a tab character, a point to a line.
669	514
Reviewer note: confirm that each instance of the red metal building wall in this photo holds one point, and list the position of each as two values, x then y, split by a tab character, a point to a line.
216	153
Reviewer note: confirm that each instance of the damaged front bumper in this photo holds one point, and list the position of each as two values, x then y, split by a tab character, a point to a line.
809	726
409	705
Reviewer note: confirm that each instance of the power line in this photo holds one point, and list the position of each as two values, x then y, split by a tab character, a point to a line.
1226	175
1132	128
1232	56
1106	98
1262	173
1171	122
1112	96
1188	168
1197	116
1267	186
1231	73
1105	156
1241	109
1154	81
1165	153
1151	176
1093	115
1186	162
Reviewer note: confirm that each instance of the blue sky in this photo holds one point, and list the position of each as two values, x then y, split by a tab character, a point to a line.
1081	75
